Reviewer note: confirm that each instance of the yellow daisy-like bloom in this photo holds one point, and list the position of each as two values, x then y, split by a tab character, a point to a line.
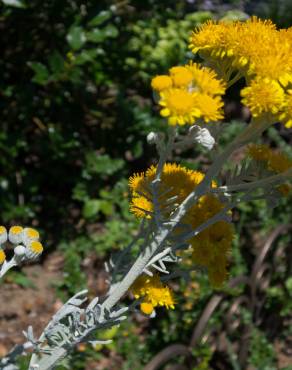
210	107
154	293
2	256
179	106
160	83
175	181
259	152
211	247
181	76
273	161
254	48
263	96
183	92
32	233
36	247
205	80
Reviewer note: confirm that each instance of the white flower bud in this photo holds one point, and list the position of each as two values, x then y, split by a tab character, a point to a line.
152	138
15	234
29	235
202	136
19	251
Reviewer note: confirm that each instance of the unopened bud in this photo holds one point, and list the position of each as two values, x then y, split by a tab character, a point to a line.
152	138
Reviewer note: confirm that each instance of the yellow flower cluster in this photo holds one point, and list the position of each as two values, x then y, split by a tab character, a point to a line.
256	50
273	161
153	292
210	247
188	93
176	181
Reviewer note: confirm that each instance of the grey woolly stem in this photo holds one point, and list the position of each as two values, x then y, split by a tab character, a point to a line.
7	266
268	181
155	183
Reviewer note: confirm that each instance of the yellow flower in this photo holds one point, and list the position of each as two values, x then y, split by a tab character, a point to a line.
181	76
2	256
263	96
176	181
205	80
179	106
209	107
211	247
160	83
36	247
147	308
154	293
254	48
32	233
259	152
188	93
273	161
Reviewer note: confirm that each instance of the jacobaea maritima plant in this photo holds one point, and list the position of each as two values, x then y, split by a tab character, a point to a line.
180	209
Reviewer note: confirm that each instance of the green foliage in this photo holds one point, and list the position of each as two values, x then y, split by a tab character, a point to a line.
262	354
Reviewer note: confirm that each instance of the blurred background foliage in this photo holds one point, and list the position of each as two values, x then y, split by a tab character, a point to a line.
75	108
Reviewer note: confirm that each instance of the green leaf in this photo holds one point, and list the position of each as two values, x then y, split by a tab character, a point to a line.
76	37
106	207
111	31
20	279
96	35
41	72
91	208
100	18
85	56
56	62
102	164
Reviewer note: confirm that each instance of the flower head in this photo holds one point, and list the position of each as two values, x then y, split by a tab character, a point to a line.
176	181
36	247
182	94
179	106
210	107
181	76
2	256
211	247
154	293
205	80
273	161
254	48
263	96
160	83
15	234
